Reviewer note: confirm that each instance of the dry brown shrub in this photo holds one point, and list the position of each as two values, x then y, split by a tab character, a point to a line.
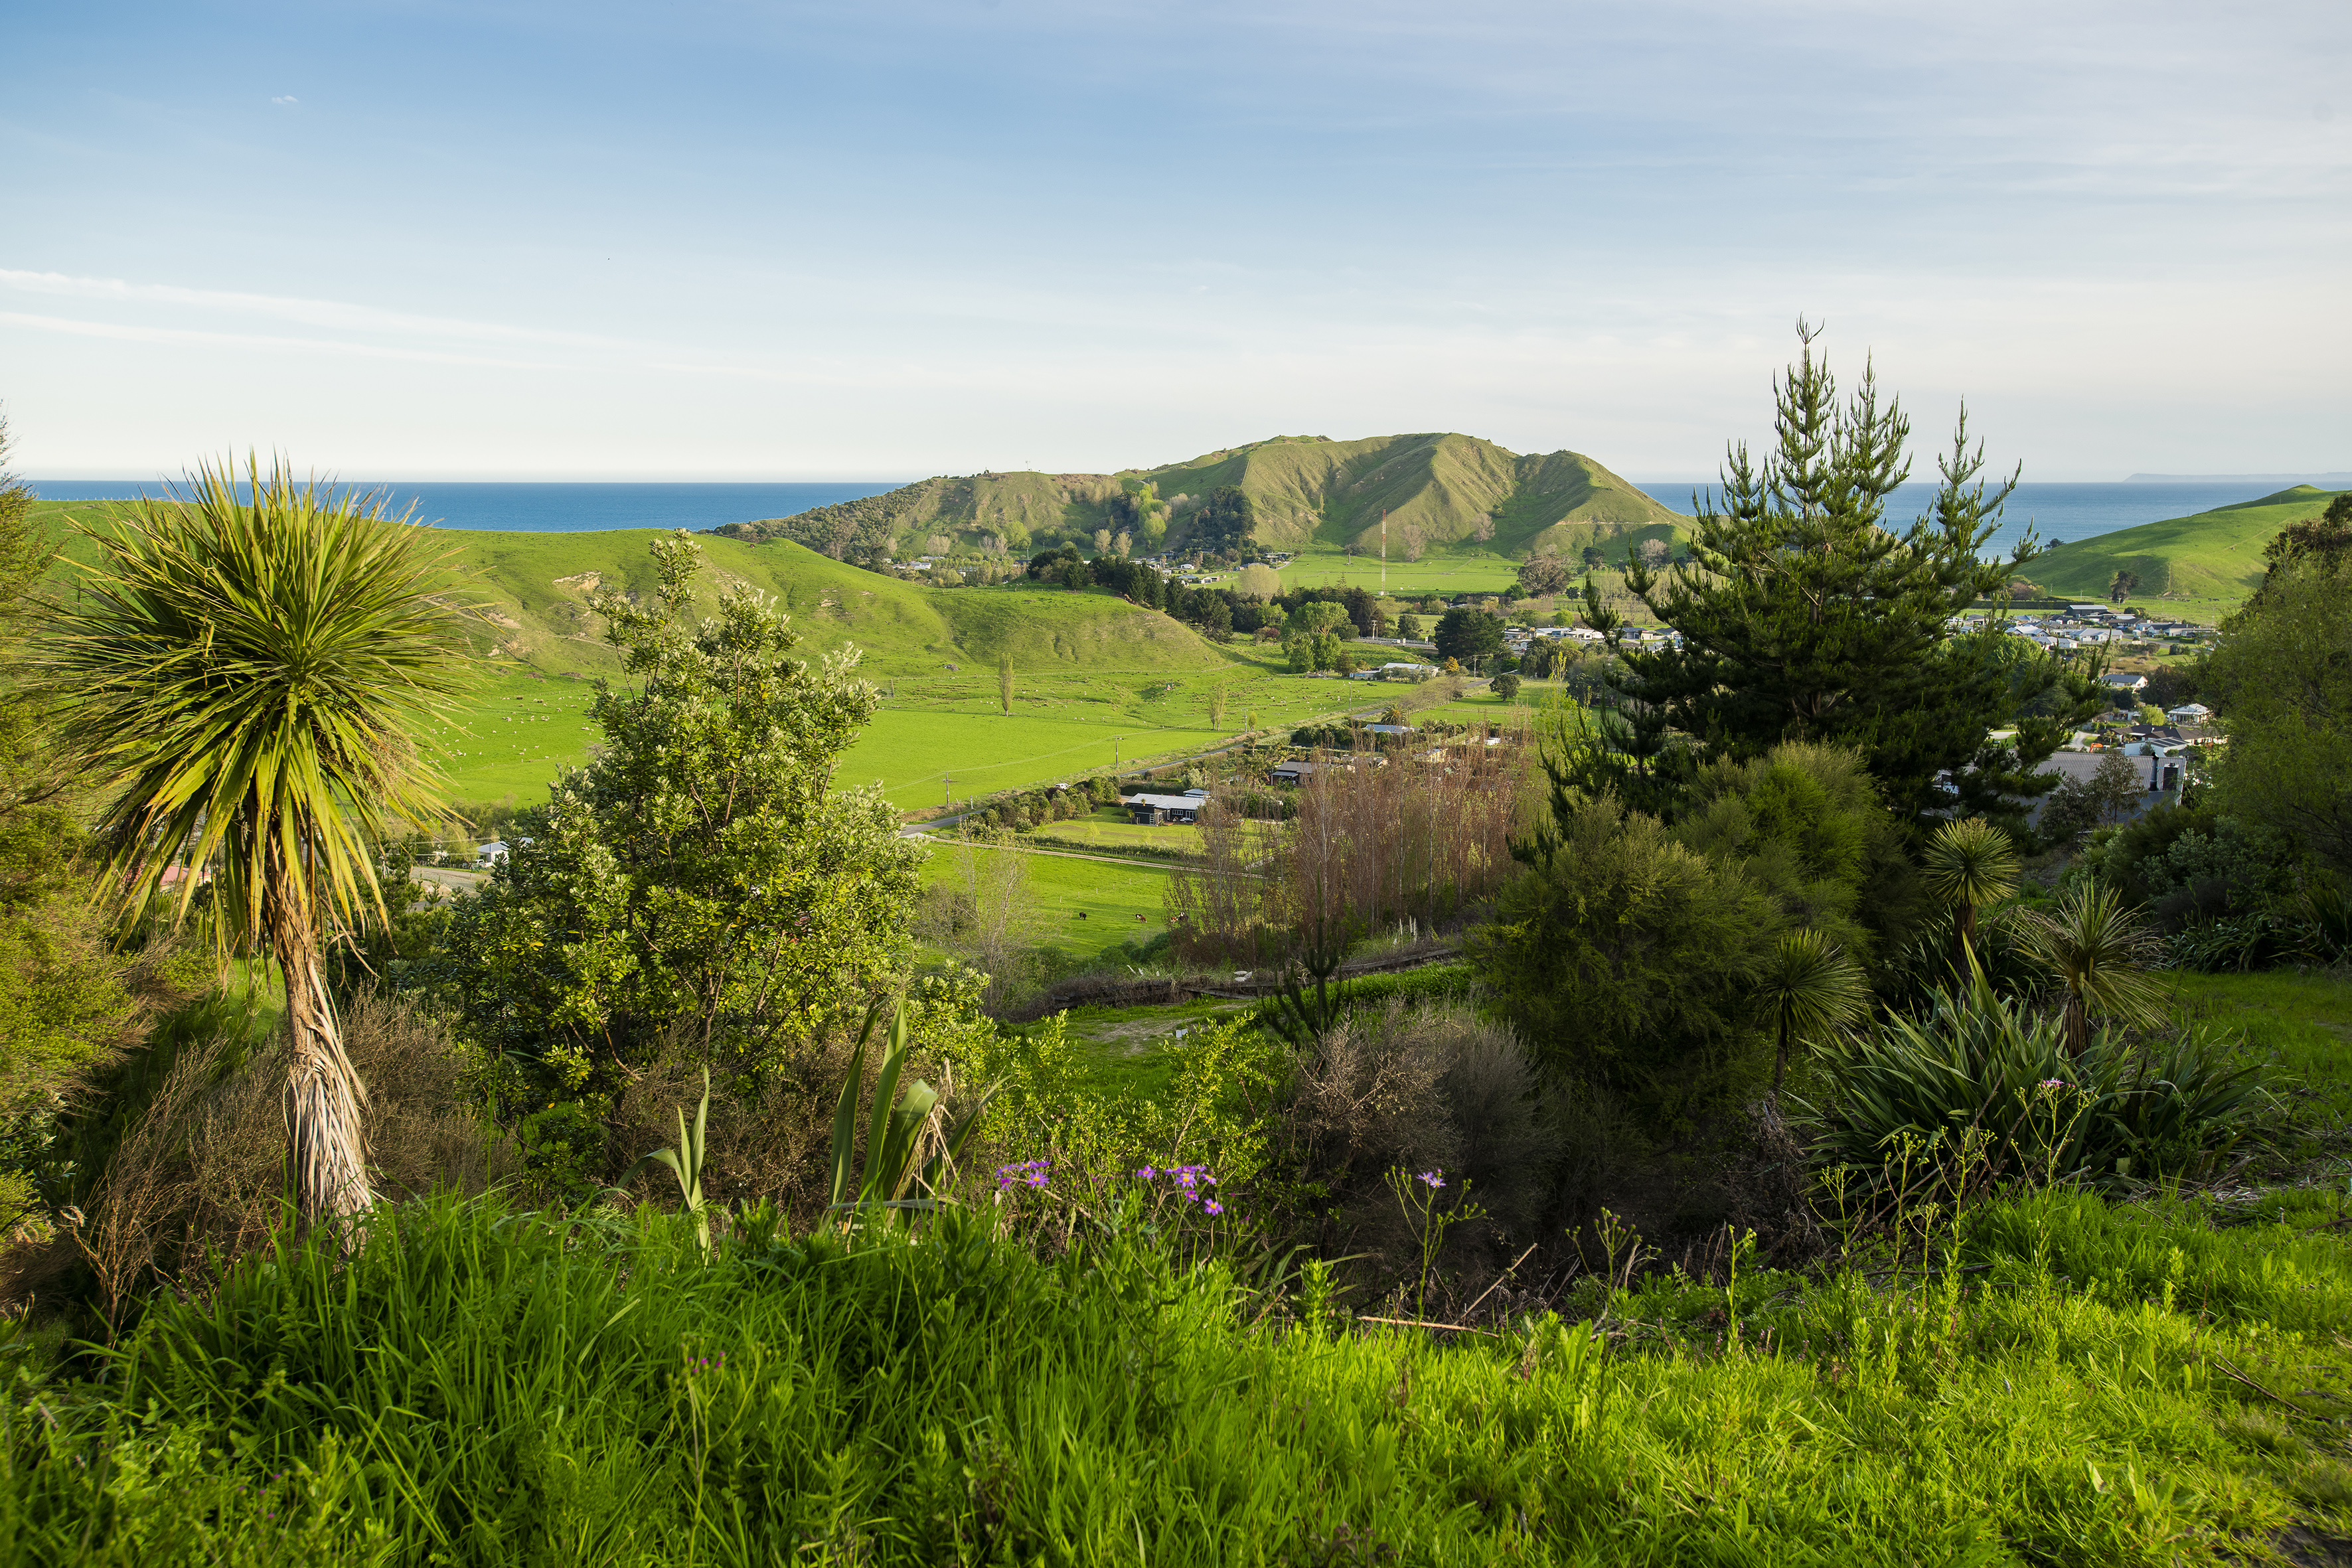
1432	1087
199	1179
772	1139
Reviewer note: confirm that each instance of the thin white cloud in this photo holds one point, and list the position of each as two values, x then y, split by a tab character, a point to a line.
289	101
330	313
120	332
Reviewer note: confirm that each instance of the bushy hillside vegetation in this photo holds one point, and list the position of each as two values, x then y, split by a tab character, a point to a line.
2214	554
1437	490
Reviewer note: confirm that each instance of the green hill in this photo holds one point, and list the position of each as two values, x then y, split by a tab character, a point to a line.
2213	556
535	588
1440	491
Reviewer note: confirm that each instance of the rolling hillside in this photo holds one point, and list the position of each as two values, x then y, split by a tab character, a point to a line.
1442	492
2212	556
535	587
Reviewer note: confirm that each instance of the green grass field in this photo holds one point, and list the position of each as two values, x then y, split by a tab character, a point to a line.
515	729
1076	907
2199	567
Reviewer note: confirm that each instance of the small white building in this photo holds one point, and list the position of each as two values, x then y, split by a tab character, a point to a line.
490	854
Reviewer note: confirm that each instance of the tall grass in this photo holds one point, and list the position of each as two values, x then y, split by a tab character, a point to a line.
478	1386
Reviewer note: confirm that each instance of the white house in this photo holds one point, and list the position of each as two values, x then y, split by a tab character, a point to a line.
2123	682
2188	713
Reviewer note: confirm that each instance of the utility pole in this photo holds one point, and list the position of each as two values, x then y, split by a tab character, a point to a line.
1384	552
949	785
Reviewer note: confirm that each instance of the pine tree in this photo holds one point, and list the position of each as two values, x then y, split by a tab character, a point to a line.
1804	615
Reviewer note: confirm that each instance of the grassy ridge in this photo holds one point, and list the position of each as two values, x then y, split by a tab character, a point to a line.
2211	559
1440	489
1444	489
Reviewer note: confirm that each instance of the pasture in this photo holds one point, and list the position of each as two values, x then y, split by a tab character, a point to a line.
1323	567
936	737
1076	907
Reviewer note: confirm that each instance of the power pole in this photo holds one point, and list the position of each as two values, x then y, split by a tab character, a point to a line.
949	785
1384	552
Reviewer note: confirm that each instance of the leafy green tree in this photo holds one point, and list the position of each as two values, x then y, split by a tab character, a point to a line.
698	886
1259	581
245	675
1316	618
2323	542
2281	677
1542	574
1466	633
2122	585
1005	680
1226	521
1507	687
1804	616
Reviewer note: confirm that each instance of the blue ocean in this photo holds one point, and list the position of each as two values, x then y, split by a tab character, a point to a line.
2057	513
555	508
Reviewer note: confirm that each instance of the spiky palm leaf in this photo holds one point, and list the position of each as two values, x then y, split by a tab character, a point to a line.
1810	988
1970	864
2099	951
247	674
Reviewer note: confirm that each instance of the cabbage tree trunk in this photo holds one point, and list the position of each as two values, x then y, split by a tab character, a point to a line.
324	1096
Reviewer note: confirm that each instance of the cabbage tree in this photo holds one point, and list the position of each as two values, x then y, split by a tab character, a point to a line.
246	676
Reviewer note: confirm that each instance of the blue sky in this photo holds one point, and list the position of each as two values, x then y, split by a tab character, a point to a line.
877	240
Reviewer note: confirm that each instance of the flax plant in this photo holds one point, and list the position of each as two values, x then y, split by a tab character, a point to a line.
246	676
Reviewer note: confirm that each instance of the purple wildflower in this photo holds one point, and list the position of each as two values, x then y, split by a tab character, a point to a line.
1431	1179
1027	1173
1212	1207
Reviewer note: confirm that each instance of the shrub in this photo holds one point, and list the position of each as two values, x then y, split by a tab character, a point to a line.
1805	824
1627	959
186	1173
1981	1088
1427	1087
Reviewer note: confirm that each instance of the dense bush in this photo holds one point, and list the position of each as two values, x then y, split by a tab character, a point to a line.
1627	959
1806	825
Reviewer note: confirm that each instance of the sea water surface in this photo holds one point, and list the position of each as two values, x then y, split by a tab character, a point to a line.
581	507
2057	513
